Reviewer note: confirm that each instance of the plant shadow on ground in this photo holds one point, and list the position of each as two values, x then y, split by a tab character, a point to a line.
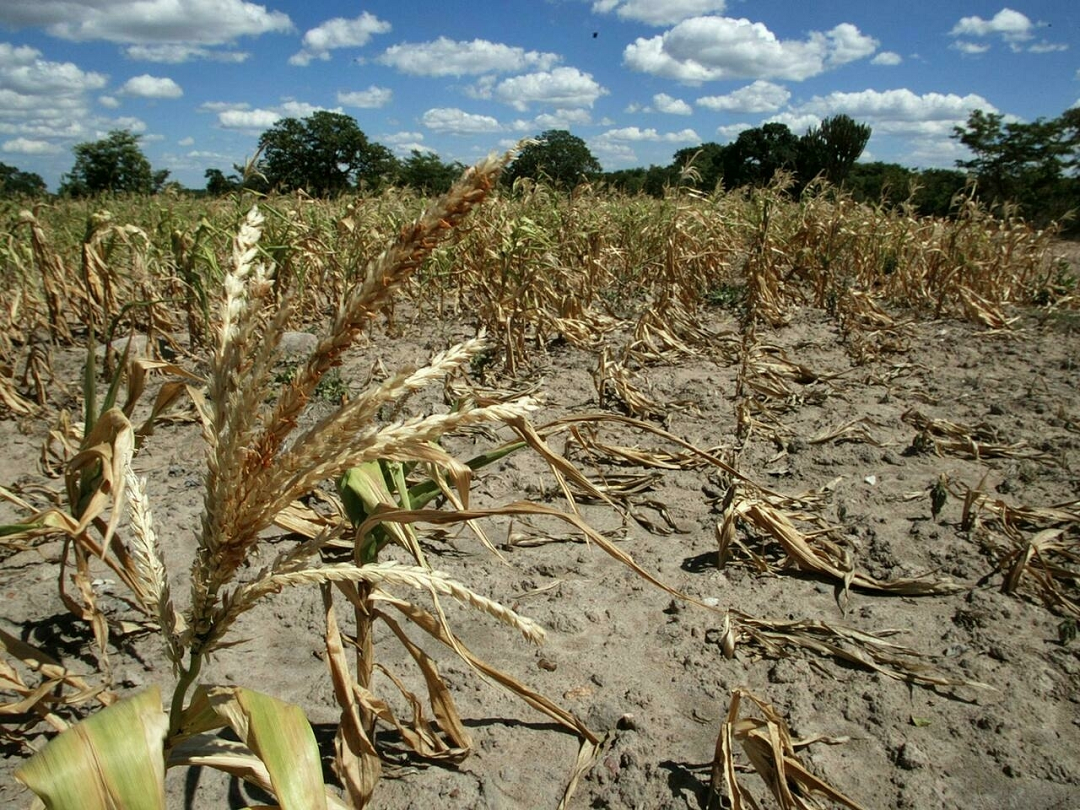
685	778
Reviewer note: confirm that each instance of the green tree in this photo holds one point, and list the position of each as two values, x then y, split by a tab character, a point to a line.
707	162
937	188
218	184
831	149
324	154
114	163
658	179
757	154
1023	163
426	172
878	182
557	156
628	181
14	182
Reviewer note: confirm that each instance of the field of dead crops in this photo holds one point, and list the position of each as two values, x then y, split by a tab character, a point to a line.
528	499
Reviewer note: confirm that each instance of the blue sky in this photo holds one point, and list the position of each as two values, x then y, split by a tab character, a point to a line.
199	80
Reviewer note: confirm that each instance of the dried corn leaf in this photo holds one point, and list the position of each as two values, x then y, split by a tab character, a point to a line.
614	381
437	630
819	555
853	430
11	399
978	441
869	650
766	741
442	705
356	762
1050	562
95	476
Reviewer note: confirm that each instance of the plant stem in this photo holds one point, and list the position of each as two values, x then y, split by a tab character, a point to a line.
187	678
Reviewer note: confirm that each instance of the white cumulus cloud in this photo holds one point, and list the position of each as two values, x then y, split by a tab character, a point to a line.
29	146
449	119
1011	25
899	111
338	33
887	58
798	123
248	119
176	53
650	134
558	119
41	100
447	57
372	98
238	115
210	22
561	87
24	71
714	48
147	86
664	103
730	132
759	97
659	12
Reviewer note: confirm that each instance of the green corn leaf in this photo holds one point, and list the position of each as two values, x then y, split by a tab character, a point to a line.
423	493
362	489
113	760
279	734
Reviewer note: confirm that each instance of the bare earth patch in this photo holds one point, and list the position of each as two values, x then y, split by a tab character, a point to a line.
860	455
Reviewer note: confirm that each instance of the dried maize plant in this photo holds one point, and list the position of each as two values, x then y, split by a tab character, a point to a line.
59	294
975	441
361	230
973	266
41	690
700	248
768	245
770	383
1037	549
867	330
819	550
190	253
871	651
259	463
90	458
105	279
767	743
308	244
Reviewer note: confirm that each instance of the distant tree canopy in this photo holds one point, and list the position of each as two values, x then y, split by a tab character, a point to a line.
831	149
426	172
324	154
218	184
15	183
557	156
757	154
1033	165
931	191
754	158
115	163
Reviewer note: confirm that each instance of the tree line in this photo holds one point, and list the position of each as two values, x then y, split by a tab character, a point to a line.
1031	168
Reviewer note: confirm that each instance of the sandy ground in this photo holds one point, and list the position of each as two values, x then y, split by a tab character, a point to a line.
648	670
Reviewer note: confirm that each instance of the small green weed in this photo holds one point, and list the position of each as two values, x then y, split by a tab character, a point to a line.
728	296
331	388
